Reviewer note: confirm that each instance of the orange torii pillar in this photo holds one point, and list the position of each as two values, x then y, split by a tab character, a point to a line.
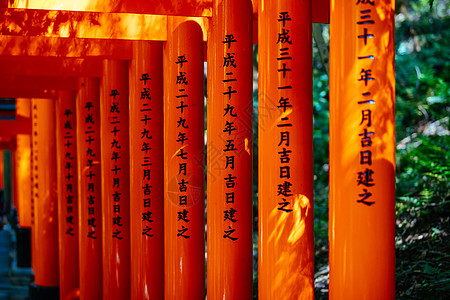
45	230
67	195
229	173
115	180
146	171
285	124
23	167
89	188
23	186
362	150
184	191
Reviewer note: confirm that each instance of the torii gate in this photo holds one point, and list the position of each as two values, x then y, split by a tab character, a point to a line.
128	161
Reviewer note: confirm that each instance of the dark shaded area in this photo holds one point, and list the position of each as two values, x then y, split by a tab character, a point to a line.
13	281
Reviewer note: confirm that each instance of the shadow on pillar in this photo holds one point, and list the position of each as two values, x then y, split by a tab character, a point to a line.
44	292
23	247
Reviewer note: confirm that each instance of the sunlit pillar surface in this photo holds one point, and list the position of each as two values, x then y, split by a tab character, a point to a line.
115	180
22	185
362	149
286	250
67	194
146	172
184	194
89	188
45	202
229	165
23	167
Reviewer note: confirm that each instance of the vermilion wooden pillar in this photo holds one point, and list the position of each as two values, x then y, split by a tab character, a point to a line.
22	185
89	189
115	180
286	250
229	165
146	171
23	167
184	196
362	150
45	229
67	194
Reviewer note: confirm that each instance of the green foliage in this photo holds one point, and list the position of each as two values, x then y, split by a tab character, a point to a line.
321	149
422	124
422	67
423	173
422	108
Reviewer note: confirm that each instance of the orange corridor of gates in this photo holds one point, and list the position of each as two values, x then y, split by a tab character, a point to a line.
117	144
